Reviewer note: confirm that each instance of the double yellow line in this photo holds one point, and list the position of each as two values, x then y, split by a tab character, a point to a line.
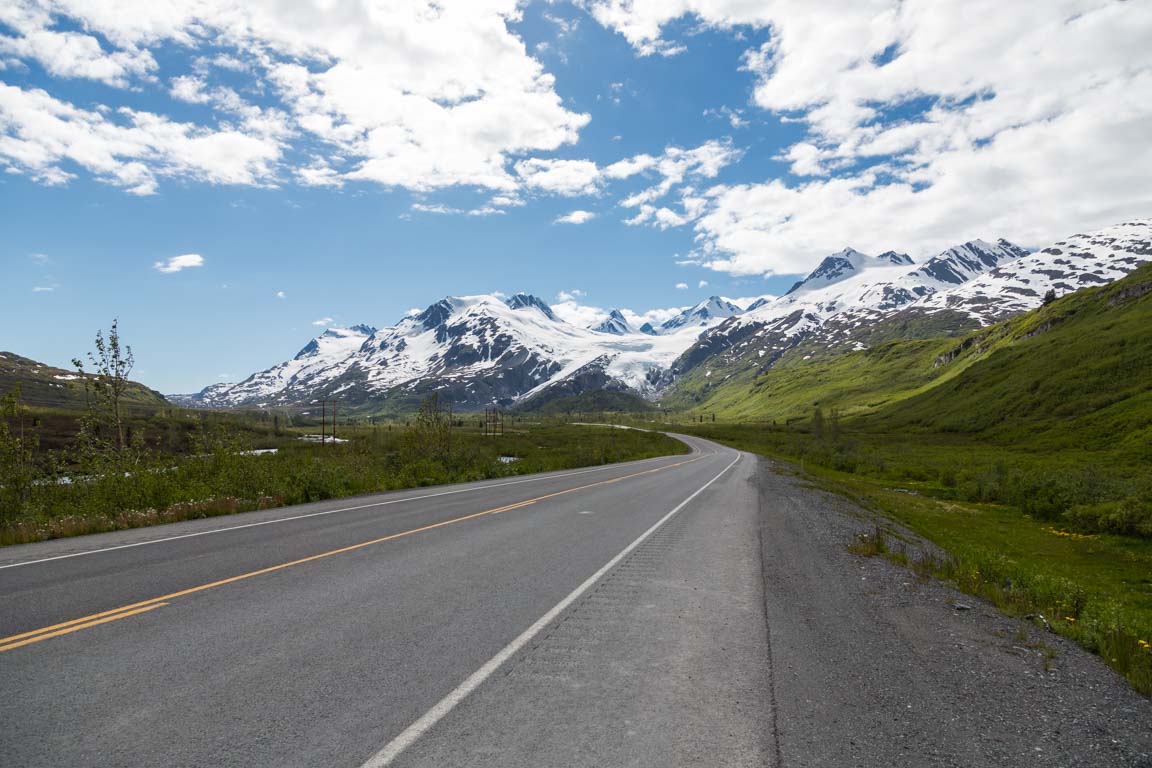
124	611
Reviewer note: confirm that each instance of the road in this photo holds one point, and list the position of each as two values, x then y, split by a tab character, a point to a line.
690	610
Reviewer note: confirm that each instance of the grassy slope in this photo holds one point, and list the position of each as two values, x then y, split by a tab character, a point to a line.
40	386
1076	374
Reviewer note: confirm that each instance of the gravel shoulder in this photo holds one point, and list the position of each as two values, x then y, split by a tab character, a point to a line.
873	666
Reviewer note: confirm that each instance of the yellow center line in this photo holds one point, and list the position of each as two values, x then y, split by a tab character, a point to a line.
64	628
119	615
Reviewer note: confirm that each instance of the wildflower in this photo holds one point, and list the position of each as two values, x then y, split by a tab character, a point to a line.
1069	618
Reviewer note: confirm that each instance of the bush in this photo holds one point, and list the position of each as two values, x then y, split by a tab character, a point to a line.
1131	516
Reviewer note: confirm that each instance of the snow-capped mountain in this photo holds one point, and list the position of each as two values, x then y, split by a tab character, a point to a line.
1079	261
322	360
615	323
850	294
704	314
477	350
483	350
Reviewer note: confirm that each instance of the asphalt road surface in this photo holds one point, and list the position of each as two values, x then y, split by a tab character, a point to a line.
695	610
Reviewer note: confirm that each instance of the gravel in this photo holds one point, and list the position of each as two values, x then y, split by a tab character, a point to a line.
873	666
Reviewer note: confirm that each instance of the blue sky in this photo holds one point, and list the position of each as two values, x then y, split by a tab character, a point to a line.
348	164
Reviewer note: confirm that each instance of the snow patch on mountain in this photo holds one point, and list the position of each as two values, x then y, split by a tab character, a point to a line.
1079	261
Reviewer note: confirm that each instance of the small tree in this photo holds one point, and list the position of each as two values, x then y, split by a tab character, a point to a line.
17	468
818	423
834	424
1050	296
434	427
105	387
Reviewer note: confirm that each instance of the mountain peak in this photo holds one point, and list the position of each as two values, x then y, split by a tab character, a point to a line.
892	257
526	300
833	269
961	263
712	308
615	323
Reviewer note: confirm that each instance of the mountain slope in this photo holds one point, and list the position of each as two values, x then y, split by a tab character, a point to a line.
1074	374
853	302
48	387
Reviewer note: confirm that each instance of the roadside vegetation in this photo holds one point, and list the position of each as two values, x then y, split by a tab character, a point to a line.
1008	524
1022	450
115	465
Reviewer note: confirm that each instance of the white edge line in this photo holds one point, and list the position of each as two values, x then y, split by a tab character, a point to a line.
323	512
413	732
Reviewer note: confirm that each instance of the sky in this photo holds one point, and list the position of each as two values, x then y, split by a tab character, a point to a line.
230	177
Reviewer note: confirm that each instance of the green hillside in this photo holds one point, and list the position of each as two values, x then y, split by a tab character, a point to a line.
1049	412
1076	373
44	386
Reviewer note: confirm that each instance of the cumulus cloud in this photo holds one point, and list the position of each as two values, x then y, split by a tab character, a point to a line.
406	94
923	128
681	286
561	177
39	134
70	54
179	263
281	295
569	309
323	322
575	217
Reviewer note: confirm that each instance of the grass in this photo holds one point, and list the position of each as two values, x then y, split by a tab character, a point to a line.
1093	588
164	488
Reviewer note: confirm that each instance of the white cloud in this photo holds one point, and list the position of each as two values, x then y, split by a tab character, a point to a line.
179	263
677	165
924	129
561	177
622	169
569	309
575	217
280	294
409	94
39	133
45	288
681	286
702	284
73	54
437	208
324	321
733	116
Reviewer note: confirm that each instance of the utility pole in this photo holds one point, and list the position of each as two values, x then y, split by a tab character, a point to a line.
323	422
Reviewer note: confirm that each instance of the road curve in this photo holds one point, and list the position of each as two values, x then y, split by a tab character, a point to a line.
609	616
